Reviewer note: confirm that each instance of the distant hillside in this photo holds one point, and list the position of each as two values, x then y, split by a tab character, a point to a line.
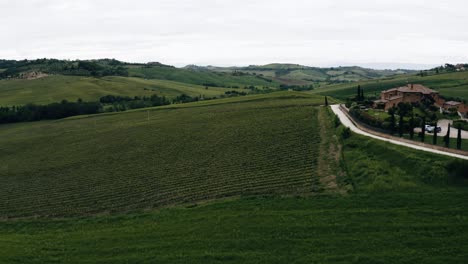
35	69
201	76
303	75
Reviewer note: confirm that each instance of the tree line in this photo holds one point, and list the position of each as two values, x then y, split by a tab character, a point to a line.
108	103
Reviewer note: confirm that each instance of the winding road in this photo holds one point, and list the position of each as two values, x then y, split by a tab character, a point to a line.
348	123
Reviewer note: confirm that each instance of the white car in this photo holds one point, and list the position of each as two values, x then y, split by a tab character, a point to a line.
431	129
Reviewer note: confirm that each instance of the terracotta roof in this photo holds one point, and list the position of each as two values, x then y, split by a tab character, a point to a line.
416	88
413	88
390	90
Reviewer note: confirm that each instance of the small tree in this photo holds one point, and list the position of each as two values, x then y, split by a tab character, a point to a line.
459	140
447	137
362	94
326	101
434	138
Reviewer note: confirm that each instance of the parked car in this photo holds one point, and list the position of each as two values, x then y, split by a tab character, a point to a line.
431	129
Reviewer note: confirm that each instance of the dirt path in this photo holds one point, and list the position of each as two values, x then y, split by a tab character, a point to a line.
348	123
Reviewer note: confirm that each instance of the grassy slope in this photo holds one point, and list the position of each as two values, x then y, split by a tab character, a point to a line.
59	87
448	84
160	156
198	77
424	228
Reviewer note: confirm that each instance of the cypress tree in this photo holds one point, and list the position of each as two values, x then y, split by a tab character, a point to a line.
391	111
358	93
400	126
459	141
423	129
434	138
447	137
411	123
326	101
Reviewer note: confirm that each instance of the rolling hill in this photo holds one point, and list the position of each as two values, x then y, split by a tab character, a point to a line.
452	84
55	88
28	69
303	75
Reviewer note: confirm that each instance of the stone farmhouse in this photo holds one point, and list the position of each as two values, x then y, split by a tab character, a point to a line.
412	93
415	93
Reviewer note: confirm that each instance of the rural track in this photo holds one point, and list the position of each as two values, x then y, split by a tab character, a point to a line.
348	123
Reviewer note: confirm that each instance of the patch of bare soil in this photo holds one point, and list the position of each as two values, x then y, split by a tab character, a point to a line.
32	75
328	168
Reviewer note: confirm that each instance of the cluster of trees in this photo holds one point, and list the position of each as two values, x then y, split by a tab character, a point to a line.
296	87
103	67
115	103
368	119
32	112
235	93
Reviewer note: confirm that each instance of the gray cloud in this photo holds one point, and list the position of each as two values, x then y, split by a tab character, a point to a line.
237	32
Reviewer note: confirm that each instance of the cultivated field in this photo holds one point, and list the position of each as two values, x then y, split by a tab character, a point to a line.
266	144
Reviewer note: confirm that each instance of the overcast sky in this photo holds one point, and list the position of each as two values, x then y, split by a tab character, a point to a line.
380	33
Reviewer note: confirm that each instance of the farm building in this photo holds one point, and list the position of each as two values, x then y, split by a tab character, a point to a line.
459	106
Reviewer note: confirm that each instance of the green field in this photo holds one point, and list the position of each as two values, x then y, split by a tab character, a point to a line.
58	87
448	84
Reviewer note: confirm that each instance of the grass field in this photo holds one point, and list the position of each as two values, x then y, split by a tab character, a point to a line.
448	84
160	156
440	141
378	228
58	87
